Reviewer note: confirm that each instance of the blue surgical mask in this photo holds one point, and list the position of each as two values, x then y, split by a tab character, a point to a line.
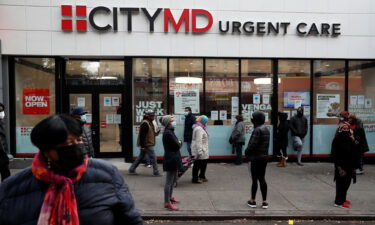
186	113
174	124
83	118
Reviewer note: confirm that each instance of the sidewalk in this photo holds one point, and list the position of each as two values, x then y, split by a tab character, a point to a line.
294	191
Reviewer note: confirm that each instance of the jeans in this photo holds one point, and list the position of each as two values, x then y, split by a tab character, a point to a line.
257	169
188	148
170	180
238	148
199	167
149	150
298	145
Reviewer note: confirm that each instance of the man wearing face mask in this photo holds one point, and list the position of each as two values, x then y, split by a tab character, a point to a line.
188	129
4	159
79	114
298	127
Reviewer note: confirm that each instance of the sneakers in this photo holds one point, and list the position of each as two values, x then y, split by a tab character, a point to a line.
149	166
359	172
300	164
132	172
196	181
264	205
174	201
252	204
343	206
348	202
170	206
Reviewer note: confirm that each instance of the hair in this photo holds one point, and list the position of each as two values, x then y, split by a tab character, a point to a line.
239	117
54	130
188	108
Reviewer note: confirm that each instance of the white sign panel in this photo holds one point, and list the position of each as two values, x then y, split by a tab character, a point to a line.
368	103
214	115
235	106
109	118
361	100
266	99
107	101
186	98
256	99
223	115
353	100
115	101
328	105
81	102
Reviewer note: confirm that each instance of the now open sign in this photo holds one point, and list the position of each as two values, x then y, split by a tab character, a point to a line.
36	101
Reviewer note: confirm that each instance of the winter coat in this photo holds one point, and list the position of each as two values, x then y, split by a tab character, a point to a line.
172	156
343	154
360	137
87	140
188	128
102	196
238	133
199	144
282	131
4	159
298	126
258	144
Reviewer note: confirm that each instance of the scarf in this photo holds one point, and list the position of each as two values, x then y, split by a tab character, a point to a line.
201	125
59	205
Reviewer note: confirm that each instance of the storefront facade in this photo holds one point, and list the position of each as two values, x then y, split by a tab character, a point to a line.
221	58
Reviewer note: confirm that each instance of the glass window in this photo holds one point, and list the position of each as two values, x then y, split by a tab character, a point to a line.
96	72
35	97
294	92
221	90
362	96
185	85
256	88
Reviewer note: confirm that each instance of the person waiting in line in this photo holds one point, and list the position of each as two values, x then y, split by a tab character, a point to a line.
238	138
148	159
65	186
4	159
188	128
79	114
199	149
361	141
343	153
257	152
282	138
298	127
172	160
146	141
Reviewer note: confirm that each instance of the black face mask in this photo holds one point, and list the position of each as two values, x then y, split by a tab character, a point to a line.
70	156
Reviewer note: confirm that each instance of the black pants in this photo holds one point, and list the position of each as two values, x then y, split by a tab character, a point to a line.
342	186
199	168
5	172
238	148
282	151
258	172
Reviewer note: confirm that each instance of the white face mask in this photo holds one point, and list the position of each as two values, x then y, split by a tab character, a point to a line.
2	115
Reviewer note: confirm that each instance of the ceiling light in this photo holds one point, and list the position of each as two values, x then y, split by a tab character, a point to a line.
188	80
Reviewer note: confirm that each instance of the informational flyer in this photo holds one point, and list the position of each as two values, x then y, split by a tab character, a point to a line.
109	118
186	98
361	100
223	115
115	101
256	99
368	103
107	101
290	98
81	101
297	104
266	99
327	105
353	100
214	115
235	106
117	119
306	111
88	118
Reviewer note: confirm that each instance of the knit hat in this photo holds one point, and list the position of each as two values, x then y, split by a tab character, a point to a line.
165	120
202	119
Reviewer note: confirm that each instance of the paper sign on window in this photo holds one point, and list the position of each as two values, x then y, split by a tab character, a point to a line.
36	101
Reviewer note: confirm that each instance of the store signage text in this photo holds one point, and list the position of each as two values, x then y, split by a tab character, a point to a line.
186	21
36	101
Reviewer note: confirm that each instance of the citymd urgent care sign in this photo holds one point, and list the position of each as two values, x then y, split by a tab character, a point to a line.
36	101
184	21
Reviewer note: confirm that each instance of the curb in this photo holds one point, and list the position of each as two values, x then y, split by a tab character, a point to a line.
370	217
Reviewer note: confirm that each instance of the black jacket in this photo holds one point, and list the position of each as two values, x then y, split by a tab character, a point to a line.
360	137
258	143
102	197
4	159
87	140
282	131
298	126
188	128
172	157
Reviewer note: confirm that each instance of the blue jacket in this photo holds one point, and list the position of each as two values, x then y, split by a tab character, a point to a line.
102	197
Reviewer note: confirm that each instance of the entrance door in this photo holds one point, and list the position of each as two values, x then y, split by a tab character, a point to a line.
104	117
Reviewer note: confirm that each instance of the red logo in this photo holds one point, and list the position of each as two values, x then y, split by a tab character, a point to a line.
81	14
36	101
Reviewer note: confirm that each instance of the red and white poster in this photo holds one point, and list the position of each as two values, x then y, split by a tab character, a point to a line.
36	101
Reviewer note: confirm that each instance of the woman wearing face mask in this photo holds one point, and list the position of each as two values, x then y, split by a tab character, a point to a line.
79	114
199	149
4	159
64	186
172	160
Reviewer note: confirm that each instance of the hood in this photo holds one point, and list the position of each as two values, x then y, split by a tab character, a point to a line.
283	116
258	118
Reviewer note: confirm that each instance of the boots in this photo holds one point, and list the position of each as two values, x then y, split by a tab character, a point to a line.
282	162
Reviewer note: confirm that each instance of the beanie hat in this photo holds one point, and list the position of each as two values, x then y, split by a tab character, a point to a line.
165	120
202	119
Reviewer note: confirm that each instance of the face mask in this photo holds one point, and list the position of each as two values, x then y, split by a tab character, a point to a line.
70	156
84	118
186	113
173	124
2	115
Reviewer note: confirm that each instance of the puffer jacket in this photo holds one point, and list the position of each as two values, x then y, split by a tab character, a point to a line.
238	133
102	197
199	144
87	140
259	143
